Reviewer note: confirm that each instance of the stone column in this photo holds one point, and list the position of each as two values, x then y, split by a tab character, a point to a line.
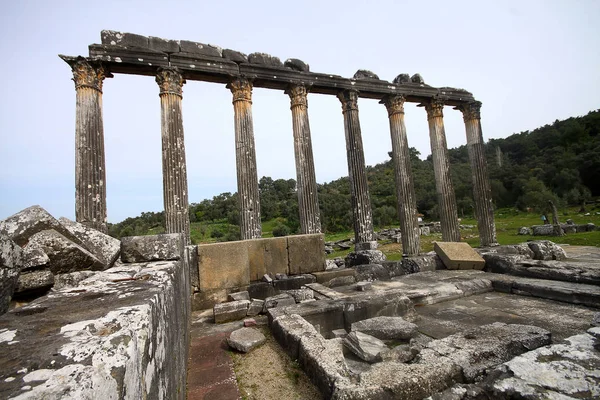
361	202
175	190
482	192
90	171
441	168
308	204
405	190
245	157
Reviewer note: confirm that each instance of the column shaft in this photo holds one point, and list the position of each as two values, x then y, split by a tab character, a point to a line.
441	168
245	156
90	171
361	202
175	190
308	204
405	191
482	192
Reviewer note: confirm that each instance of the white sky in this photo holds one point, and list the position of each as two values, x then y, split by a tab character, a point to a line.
529	62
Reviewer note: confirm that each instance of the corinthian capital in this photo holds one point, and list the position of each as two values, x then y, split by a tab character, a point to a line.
170	81
349	99
394	104
241	89
470	110
86	74
434	108
298	95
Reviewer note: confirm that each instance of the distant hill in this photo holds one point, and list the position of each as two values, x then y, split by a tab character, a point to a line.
558	162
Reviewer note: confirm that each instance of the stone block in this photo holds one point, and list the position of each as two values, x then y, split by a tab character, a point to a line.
265	59
423	262
223	265
293	282
279	300
115	38
235	296
24	224
34	258
261	290
546	250
187	46
327	277
372	245
342	281
245	339
302	294
371	272
323	292
364	346
296	65
34	281
208	299
163	247
255	308
386	328
10	267
363	286
164	45
65	256
458	255
288	330
105	248
542	230
191	255
267	256
231	311
306	253
365	74
364	257
235	56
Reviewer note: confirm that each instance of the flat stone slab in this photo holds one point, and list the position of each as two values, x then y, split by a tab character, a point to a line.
386	328
458	255
246	339
325	291
279	300
231	311
364	346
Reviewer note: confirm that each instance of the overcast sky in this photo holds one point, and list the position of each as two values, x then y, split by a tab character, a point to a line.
529	62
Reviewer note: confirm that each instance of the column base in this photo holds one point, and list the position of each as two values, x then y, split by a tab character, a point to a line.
372	245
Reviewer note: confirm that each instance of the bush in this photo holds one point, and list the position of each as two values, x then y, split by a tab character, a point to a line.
281	230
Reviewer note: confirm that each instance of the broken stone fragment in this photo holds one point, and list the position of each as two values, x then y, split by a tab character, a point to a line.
524	230
65	256
187	46
294	282
249	322
403	353
238	296
401	78
301	294
235	56
104	247
296	65
366	347
267	278
34	257
386	328
365	74
363	286
546	250
417	78
245	339
10	267
34	281
265	59
163	247
232	311
339	333
256	307
279	300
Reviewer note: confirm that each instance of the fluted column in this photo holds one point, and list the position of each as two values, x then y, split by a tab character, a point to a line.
308	204
361	203
245	157
90	171
405	190
175	190
481	182
441	168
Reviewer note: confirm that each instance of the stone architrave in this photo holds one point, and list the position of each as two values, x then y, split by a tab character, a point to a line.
245	156
441	169
308	203
90	170
484	208
175	190
361	203
405	190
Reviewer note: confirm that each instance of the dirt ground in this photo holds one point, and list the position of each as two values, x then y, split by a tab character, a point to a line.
268	373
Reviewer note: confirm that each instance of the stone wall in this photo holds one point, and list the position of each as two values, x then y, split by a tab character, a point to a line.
119	334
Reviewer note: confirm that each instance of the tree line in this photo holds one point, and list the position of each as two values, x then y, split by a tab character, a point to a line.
558	162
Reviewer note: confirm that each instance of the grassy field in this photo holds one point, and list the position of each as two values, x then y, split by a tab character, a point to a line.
508	222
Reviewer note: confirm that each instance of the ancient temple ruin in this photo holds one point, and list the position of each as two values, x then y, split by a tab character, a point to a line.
172	63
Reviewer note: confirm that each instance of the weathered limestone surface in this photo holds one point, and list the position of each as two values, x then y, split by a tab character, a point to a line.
371	272
306	253
68	345
482	192
364	257
386	328
223	265
361	203
245	339
267	256
546	250
65	256
10	267
105	248
34	280
405	191
175	188
364	346
308	204
441	169
245	157
166	246
230	311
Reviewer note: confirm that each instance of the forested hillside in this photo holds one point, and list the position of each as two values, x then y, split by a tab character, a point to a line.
558	162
